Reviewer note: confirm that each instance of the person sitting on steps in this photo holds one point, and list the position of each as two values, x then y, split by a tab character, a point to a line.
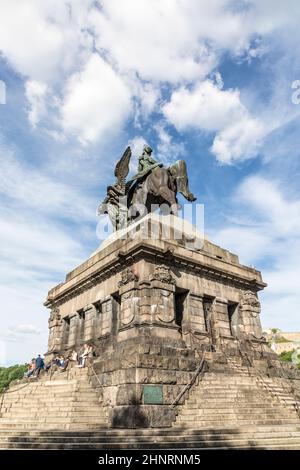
73	357
87	352
30	368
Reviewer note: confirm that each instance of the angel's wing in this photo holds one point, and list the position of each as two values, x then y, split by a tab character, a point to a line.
122	167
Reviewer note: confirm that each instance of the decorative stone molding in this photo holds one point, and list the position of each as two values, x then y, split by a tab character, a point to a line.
54	318
250	309
127	276
145	252
250	303
55	330
163	308
129	307
163	274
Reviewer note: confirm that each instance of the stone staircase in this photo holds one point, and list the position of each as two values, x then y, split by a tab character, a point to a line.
238	400
283	437
67	401
226	409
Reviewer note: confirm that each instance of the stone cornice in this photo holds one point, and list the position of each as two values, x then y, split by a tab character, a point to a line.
157	254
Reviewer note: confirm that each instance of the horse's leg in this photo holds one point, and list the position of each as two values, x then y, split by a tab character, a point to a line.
158	185
137	206
179	173
170	198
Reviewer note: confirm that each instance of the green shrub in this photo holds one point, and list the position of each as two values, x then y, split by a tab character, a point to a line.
8	374
286	356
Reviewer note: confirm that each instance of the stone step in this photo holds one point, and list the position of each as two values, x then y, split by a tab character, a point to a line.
41	418
55	412
233	423
260	394
212	403
164	439
280	444
52	397
48	390
228	380
233	396
51	384
59	406
227	411
77	424
234	418
250	431
168	438
224	414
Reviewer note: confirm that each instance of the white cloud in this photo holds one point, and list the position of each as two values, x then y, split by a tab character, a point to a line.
146	43
209	108
42	245
43	39
160	41
271	205
206	106
166	41
266	231
239	140
136	144
37	249
36	94
167	150
97	101
25	329
33	189
182	40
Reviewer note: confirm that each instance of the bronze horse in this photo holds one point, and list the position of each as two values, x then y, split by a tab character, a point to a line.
159	188
154	186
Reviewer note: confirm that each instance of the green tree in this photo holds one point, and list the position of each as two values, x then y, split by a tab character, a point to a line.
8	374
286	356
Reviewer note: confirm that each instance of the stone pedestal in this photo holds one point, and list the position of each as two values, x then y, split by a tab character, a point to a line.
150	304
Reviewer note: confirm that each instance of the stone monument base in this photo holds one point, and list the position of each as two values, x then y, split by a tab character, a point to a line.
174	321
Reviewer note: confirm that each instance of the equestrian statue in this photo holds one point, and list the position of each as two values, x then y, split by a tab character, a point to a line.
153	186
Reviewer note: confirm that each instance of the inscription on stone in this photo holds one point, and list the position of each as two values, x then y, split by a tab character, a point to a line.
153	395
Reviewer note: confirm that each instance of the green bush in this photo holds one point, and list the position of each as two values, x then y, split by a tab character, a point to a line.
281	339
286	356
8	374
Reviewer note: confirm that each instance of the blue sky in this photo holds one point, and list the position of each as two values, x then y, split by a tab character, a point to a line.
210	82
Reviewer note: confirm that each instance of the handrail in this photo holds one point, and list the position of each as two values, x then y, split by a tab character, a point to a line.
200	369
269	389
94	372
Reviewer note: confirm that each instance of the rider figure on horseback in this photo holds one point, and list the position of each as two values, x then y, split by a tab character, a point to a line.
146	163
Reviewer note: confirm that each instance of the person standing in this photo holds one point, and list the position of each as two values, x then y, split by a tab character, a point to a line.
39	365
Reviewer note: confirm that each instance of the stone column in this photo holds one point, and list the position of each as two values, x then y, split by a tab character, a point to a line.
145	293
250	312
130	304
55	331
90	322
106	317
221	317
196	322
73	330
